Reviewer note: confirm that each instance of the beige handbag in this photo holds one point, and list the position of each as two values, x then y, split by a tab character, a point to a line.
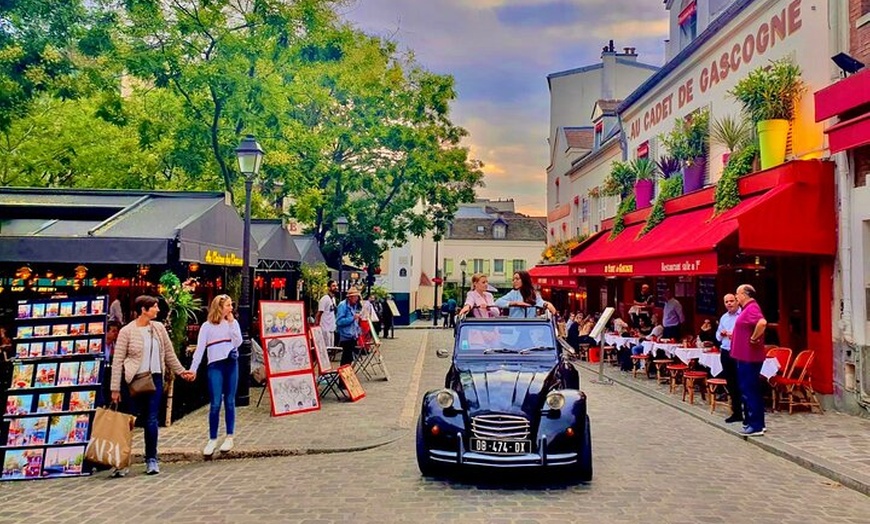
142	383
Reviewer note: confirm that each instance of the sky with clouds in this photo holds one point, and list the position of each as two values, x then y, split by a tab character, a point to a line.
500	53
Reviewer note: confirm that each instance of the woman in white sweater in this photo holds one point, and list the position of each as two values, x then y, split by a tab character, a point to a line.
221	336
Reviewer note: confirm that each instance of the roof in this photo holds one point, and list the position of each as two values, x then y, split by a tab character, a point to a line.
608	106
518	228
579	137
309	251
274	242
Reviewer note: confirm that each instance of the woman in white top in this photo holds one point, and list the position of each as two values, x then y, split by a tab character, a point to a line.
479	301
221	336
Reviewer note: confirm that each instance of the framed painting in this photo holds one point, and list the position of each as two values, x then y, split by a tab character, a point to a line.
292	394
351	382
286	354
278	318
320	345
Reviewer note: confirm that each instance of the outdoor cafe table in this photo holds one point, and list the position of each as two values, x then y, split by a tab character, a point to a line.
612	339
650	347
713	361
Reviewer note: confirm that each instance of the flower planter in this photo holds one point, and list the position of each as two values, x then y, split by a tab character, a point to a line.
772	139
693	175
643	193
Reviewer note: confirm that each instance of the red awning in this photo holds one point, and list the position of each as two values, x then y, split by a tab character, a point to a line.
788	219
849	134
553	275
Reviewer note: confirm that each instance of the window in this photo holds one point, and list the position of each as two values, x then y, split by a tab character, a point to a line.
481	229
519	264
448	266
688	21
584	210
403	272
478	265
602	209
499	231
599	134
498	266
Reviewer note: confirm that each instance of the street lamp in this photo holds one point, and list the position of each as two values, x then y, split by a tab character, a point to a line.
250	156
341	230
463	265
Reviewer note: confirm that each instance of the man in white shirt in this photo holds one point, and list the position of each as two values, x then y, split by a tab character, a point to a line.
729	365
672	316
325	317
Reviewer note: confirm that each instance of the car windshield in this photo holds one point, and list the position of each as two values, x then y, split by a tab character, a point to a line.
515	339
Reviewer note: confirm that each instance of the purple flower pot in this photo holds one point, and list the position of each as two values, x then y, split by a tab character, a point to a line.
643	193
693	175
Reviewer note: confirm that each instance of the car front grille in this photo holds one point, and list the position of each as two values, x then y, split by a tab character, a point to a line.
505	427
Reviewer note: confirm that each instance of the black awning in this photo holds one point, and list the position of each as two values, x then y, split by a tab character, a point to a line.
77	250
277	250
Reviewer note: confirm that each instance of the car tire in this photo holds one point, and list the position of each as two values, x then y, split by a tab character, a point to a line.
427	467
584	471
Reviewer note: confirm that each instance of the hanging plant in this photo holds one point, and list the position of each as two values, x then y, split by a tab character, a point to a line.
626	206
620	181
727	192
671	188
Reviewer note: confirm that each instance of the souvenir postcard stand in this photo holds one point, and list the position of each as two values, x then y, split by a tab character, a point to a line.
289	374
56	378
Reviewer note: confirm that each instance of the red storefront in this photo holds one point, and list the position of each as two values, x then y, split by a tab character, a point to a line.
781	238
559	287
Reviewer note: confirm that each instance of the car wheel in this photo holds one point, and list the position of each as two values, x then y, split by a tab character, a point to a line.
584	473
427	467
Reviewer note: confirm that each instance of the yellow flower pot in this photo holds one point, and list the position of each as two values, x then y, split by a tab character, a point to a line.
772	139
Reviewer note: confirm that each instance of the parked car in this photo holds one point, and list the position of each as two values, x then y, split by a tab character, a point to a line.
511	399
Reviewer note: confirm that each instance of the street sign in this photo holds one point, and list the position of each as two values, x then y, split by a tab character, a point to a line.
437	281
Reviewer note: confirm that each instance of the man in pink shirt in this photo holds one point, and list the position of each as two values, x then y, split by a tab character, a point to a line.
747	348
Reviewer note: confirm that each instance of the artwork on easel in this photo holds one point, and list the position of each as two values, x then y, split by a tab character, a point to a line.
323	362
295	393
373	333
282	318
286	354
351	382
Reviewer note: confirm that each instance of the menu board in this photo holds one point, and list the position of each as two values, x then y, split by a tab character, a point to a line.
56	377
706	298
661	288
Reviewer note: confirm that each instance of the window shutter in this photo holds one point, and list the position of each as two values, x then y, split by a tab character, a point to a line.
448	266
509	268
486	267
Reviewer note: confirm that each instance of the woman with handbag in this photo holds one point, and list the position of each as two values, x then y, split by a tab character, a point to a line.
221	337
143	351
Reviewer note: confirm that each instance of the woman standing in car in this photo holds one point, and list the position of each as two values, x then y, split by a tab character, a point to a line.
523	300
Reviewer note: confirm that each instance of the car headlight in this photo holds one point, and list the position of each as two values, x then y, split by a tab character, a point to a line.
555	400
444	399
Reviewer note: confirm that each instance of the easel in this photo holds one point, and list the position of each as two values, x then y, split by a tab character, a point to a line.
597	334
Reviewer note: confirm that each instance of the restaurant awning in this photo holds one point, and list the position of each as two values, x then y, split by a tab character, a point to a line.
786	210
118	227
553	275
308	249
276	248
847	99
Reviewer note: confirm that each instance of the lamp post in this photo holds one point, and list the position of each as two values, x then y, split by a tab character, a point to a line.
250	156
463	265
341	230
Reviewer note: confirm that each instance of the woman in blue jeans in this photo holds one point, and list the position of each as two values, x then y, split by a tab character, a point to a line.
221	337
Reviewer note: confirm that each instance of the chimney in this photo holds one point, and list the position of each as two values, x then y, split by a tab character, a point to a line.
608	73
629	53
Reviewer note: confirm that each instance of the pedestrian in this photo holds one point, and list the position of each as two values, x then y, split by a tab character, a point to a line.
523	300
747	348
144	346
479	301
672	316
387	316
378	309
451	311
116	312
347	321
112	329
325	317
729	365
221	336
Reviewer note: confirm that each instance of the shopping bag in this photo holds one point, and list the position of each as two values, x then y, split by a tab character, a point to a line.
111	441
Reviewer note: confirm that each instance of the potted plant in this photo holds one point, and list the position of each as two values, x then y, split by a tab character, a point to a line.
732	132
620	181
644	171
769	96
687	142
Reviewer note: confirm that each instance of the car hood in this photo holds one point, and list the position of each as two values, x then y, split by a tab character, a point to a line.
502	388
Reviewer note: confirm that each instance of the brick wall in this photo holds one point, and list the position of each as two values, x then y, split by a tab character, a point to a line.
859	38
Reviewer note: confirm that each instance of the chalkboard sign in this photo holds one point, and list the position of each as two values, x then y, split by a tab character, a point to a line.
706	298
661	288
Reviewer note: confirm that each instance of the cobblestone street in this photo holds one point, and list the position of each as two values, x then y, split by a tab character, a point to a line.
652	464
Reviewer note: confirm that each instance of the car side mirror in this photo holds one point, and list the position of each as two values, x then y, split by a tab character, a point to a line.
442	353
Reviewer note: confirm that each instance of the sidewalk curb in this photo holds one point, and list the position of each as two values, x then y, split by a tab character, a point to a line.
195	455
814	463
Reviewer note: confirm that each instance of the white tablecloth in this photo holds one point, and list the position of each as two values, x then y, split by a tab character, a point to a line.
713	361
612	339
651	347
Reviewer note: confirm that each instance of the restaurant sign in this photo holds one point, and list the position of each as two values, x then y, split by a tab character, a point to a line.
222	259
685	265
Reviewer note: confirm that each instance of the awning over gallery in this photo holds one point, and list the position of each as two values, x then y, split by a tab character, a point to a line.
784	210
308	249
119	227
276	248
553	275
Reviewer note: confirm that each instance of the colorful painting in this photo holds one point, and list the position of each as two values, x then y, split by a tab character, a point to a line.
46	375
60	330
41	331
98	306
320	351
293	394
81	347
38	310
68	374
52	309
68	429
66	347
80	308
82	400
287	354
78	329
22	375
89	372
95	328
351	382
50	349
25	331
27	431
19	404
21	350
22	464
23	310
49	403
35	349
282	318
63	462
66	309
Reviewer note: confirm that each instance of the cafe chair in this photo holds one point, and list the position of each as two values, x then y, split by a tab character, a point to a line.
609	355
692	379
782	356
675	373
661	364
715	387
636	361
796	389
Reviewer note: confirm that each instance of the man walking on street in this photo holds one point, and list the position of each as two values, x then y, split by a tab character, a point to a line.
325	317
747	348
729	365
672	316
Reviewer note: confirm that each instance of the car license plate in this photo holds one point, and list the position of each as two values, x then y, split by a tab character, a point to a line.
501	447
